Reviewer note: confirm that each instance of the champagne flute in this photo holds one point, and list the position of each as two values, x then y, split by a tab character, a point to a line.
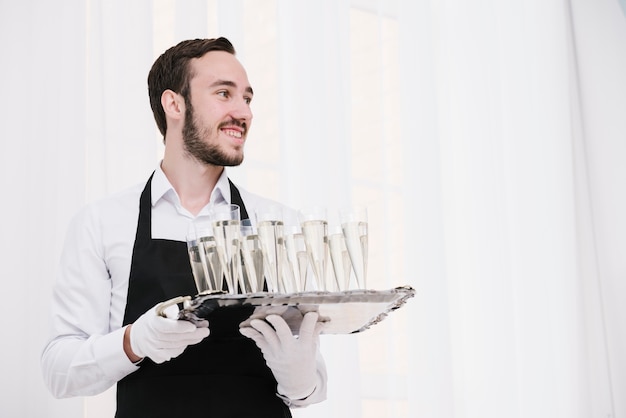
251	258
297	259
227	232
216	272
197	259
340	258
205	266
270	231
354	225
315	230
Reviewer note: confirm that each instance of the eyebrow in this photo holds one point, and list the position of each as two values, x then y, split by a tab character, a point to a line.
230	84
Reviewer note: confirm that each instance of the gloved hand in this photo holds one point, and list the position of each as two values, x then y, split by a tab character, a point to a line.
162	339
291	359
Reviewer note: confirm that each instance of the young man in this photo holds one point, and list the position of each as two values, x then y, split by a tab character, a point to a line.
127	253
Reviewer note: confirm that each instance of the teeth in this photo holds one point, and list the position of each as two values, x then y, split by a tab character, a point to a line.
234	134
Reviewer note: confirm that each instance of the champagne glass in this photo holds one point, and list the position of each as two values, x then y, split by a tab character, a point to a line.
297	259
270	231
354	225
251	258
227	232
197	259
216	272
315	230
205	266
340	258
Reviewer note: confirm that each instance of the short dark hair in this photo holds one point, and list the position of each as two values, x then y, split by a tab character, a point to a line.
171	71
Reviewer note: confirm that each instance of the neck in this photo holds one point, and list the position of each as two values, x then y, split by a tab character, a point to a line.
192	180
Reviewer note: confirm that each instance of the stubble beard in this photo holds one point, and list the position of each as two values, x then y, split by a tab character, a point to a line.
199	149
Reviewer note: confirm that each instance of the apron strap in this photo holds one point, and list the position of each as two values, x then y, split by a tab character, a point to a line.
235	199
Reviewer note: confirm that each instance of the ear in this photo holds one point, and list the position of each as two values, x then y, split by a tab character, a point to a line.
173	105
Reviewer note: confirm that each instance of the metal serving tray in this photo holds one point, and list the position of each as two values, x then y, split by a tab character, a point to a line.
345	312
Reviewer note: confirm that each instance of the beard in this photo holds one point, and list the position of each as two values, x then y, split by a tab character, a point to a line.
198	148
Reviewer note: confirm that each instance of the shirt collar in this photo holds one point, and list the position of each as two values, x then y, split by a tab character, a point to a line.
221	192
163	189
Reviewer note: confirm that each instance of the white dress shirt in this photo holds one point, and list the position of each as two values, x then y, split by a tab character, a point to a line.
84	355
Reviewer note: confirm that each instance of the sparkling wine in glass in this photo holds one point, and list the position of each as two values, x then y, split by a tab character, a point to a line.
271	234
340	259
198	265
205	265
251	258
197	259
354	225
297	259
216	272
315	230
227	232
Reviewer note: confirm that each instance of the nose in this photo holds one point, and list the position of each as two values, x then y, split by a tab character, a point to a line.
241	111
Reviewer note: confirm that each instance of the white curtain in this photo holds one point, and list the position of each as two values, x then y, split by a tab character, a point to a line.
487	139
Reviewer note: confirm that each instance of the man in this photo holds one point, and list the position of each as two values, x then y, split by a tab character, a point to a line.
127	253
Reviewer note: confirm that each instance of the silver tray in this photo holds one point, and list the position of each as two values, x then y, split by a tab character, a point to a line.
346	312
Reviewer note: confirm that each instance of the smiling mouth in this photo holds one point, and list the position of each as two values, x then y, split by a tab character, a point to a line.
233	133
234	128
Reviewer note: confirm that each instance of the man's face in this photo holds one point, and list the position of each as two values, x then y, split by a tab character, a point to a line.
218	115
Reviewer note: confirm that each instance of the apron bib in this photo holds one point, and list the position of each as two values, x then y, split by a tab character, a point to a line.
225	375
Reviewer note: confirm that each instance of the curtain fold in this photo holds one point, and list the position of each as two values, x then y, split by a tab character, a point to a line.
598	34
41	170
121	144
486	139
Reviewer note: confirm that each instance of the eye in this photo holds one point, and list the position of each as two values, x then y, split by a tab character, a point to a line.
223	93
247	99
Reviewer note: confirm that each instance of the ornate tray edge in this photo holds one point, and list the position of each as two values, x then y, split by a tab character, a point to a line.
189	306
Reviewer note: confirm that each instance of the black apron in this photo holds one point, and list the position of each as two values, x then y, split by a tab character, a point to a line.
223	376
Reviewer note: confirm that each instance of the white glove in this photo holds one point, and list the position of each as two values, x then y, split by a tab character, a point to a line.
291	359
162	339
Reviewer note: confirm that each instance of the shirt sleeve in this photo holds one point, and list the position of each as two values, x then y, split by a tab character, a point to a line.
83	355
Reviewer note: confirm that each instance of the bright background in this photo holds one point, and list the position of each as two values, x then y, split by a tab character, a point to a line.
487	138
